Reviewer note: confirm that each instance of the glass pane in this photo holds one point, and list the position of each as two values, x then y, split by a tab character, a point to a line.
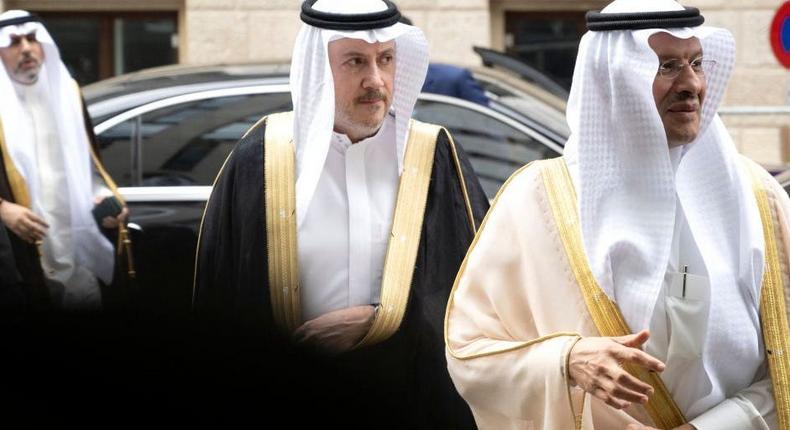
146	43
116	152
495	149
78	41
186	144
548	43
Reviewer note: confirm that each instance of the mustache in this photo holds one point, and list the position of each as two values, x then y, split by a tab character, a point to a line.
684	96
372	96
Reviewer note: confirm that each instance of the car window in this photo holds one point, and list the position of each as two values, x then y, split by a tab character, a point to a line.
185	143
495	149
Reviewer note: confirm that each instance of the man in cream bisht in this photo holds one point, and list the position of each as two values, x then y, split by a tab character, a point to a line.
344	222
636	282
49	177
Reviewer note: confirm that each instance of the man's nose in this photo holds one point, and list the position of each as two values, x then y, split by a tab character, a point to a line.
689	81
25	45
374	78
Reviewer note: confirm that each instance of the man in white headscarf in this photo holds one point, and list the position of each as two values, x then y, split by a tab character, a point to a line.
50	176
344	222
648	288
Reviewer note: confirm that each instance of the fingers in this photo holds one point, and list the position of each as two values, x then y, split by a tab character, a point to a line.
123	215
109	222
608	398
625	386
32	228
300	334
641	358
35	219
635	340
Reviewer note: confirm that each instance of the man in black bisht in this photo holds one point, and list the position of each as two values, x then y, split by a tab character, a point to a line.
341	225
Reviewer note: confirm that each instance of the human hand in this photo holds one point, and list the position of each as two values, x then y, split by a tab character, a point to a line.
595	365
642	427
114	222
337	331
23	222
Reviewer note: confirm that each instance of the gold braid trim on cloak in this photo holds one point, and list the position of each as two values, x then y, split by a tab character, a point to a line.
124	238
279	185
605	313
776	332
15	180
280	197
406	231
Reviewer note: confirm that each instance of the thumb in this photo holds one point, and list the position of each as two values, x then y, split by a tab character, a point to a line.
633	340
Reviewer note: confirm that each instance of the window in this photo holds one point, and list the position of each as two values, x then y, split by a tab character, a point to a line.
547	41
183	144
97	46
495	149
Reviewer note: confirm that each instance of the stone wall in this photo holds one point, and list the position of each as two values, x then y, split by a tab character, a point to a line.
254	30
757	80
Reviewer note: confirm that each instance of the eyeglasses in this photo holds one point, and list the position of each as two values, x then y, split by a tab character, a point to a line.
670	69
16	39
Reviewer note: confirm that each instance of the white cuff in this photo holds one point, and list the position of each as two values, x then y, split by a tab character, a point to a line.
730	415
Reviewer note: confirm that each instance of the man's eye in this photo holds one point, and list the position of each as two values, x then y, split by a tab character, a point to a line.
667	67
387	59
697	64
355	61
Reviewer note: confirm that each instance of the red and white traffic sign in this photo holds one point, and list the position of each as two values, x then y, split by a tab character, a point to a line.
780	34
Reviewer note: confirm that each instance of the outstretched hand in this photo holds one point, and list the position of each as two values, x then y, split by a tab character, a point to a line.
337	331
595	365
642	427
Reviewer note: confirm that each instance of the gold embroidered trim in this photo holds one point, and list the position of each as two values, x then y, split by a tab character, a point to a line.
279	178
406	231
462	181
605	314
776	332
15	180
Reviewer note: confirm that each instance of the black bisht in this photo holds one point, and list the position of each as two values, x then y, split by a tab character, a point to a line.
402	381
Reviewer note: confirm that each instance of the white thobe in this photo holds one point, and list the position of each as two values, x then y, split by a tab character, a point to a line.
58	250
678	329
342	242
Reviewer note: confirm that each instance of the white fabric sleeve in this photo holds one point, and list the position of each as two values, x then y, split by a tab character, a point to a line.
752	408
514	314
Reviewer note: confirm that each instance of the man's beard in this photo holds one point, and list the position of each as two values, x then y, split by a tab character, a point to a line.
27	77
367	125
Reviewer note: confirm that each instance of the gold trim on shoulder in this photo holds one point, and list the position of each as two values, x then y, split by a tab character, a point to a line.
462	181
776	332
280	197
279	184
406	231
605	313
15	180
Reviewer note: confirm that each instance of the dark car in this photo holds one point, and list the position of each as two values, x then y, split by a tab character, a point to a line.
164	133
